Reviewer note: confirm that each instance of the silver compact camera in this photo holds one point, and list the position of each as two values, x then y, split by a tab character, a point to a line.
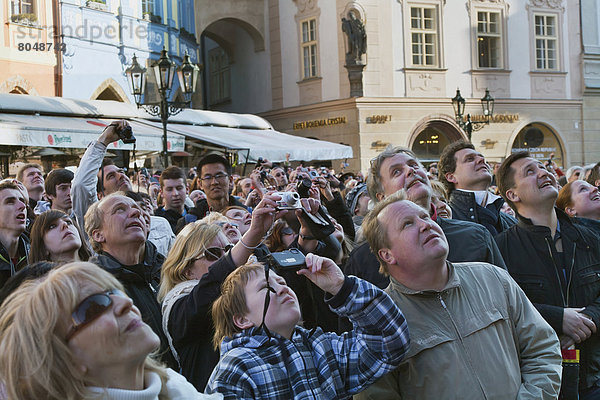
289	201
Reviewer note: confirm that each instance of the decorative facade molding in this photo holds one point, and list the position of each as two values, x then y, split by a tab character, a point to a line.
306	6
477	3
555	4
17	81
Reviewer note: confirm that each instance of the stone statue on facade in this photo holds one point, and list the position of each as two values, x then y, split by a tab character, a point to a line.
357	39
356	46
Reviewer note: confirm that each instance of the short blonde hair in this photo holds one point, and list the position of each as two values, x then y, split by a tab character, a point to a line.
232	301
193	239
375	231
35	360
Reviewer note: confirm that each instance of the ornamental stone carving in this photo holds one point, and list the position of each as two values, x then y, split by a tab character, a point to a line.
558	4
305	5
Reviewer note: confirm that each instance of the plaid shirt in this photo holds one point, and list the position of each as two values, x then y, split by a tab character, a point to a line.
321	365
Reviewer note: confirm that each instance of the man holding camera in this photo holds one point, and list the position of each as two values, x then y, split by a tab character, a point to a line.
96	176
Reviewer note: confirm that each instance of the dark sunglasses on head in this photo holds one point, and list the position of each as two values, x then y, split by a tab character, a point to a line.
214	253
90	309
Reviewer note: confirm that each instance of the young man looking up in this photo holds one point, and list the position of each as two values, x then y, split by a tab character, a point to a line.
58	190
14	243
555	262
474	334
467	177
33	179
174	191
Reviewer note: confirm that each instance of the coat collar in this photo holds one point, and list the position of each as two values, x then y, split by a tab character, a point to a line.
453	282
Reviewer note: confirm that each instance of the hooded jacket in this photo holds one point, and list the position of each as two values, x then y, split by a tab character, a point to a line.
141	282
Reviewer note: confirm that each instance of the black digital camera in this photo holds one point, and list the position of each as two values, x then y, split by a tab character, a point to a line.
303	187
287	260
126	135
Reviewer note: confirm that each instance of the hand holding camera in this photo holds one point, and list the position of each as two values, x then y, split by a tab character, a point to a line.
324	273
115	131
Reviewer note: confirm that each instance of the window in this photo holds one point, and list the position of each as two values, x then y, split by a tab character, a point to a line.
546	42
220	88
309	48
21	7
424	36
489	39
147	7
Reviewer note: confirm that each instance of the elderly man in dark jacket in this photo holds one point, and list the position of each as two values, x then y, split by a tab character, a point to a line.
398	168
556	263
118	233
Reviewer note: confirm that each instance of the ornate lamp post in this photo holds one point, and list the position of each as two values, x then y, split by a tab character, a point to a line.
487	104
164	71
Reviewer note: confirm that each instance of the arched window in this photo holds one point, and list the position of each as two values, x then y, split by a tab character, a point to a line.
541	141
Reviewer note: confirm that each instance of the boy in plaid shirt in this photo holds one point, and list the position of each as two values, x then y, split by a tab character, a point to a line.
266	355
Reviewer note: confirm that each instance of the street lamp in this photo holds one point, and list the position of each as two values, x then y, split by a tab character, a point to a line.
487	104
164	71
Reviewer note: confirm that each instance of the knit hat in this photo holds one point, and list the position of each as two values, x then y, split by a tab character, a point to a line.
353	196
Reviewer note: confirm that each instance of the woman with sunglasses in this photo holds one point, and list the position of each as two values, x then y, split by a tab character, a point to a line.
55	237
74	334
191	277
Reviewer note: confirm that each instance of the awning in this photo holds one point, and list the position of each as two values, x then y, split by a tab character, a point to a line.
77	132
266	143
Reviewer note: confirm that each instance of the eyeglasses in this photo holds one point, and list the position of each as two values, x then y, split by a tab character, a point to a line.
90	309
214	253
220	177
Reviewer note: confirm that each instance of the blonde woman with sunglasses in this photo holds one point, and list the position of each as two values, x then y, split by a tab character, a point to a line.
191	277
75	334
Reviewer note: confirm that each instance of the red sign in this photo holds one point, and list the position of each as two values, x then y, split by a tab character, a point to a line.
50	139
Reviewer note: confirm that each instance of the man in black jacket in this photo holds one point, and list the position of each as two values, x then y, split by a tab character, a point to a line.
398	168
556	263
14	243
118	233
467	177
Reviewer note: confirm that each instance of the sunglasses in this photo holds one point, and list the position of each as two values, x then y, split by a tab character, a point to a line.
287	231
90	309
214	253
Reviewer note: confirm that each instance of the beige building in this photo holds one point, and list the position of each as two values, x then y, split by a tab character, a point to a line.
28	50
287	61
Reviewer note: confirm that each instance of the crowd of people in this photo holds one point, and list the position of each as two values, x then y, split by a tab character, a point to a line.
459	280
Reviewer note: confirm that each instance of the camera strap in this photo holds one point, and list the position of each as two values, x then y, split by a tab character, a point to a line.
267	301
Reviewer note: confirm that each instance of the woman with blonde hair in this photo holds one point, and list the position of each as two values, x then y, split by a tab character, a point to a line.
74	334
191	277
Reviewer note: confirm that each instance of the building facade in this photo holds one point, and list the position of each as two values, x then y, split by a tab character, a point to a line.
100	37
292	57
28	55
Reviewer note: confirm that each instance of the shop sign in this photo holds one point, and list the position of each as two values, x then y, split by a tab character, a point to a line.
506	118
378	119
540	153
317	123
57	140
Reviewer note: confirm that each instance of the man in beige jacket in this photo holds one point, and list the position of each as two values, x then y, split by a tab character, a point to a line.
474	334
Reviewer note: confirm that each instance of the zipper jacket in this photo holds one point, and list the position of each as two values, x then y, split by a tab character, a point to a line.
7	267
534	263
